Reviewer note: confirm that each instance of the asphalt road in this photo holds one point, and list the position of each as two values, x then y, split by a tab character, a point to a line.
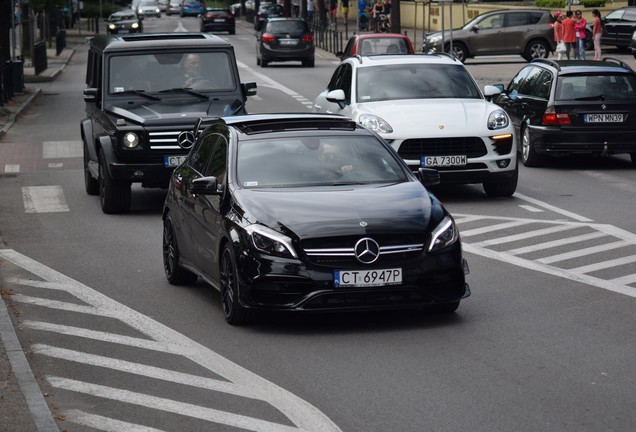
544	343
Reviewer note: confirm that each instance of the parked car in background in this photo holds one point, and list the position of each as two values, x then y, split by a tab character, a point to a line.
526	32
564	107
148	8
174	7
265	11
429	108
634	44
301	212
163	5
376	44
124	21
218	20
285	39
620	25
192	8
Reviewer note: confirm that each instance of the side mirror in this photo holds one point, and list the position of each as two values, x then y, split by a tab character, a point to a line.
475	28
205	186
428	176
90	95
492	90
249	88
340	54
337	96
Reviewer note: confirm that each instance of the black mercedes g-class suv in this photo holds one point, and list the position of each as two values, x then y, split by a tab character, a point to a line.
144	94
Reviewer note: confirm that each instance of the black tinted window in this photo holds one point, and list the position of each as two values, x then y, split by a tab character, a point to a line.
292	27
521	19
537	84
571	87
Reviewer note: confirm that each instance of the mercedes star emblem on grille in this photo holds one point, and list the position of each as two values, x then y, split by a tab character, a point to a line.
367	250
185	140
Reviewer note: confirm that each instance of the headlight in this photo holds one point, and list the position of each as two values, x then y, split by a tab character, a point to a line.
498	120
158	10
131	140
375	123
271	242
445	234
112	26
135	25
433	39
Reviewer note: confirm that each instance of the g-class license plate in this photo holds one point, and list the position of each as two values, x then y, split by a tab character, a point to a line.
173	161
443	161
603	118
367	278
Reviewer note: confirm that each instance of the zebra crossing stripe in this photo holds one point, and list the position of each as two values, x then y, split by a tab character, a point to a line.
604	265
585	251
555	243
102	423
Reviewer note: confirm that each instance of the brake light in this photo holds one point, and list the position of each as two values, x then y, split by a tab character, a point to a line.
551	117
308	38
268	38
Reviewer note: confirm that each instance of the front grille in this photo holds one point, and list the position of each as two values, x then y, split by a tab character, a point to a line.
417	147
162	140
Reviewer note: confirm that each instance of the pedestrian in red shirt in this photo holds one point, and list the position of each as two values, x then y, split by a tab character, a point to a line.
569	36
559	33
581	37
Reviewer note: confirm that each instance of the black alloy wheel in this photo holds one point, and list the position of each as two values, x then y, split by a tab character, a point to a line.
175	274
113	195
90	183
529	156
233	311
503	188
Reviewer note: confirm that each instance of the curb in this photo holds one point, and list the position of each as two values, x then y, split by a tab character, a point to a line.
15	115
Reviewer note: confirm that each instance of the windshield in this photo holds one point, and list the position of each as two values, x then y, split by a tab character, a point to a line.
200	71
598	86
415	81
121	17
315	161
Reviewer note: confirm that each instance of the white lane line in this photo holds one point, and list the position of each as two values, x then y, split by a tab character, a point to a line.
585	251
297	410
556	243
604	265
102	423
142	370
526	235
554	271
55	304
552	208
460	219
530	208
168	405
44	199
496	227
11	168
62	149
626	280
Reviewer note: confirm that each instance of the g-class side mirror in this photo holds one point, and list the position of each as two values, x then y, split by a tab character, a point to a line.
90	95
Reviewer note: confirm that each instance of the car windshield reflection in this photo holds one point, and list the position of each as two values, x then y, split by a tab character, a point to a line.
311	161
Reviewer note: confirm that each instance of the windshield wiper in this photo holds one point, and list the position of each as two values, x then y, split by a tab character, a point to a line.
184	90
138	92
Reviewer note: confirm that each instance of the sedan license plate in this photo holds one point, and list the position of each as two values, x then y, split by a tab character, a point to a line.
443	161
367	278
603	118
173	161
289	42
219	19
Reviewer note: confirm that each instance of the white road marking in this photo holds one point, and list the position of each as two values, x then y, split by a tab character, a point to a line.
11	168
552	208
62	149
56	165
530	208
526	235
299	412
585	251
627	280
102	423
555	243
604	265
491	228
44	199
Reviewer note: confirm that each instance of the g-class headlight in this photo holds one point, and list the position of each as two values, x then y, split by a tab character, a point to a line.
375	123
444	234
270	242
498	120
131	140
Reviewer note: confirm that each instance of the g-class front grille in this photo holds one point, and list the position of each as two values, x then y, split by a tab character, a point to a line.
169	139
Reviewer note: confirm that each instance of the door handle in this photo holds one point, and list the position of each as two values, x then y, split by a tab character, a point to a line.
318	107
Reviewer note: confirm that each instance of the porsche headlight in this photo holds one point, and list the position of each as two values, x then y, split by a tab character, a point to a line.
444	234
131	140
271	242
498	120
375	123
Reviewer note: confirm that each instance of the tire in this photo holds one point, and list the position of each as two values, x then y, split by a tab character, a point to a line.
504	188
446	308
258	61
175	274
309	63
536	49
460	52
91	184
233	31
529	156
114	195
633	156
264	63
233	311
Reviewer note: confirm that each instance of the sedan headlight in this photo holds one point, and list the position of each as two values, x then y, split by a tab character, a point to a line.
131	140
270	242
444	234
375	123
498	120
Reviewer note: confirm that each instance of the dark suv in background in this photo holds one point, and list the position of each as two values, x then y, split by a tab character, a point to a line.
563	107
144	94
526	32
620	25
285	39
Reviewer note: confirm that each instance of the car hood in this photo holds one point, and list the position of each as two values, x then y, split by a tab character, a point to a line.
432	117
159	112
361	210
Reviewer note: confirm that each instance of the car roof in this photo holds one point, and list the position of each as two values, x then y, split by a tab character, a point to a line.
402	59
381	36
586	66
279	122
147	41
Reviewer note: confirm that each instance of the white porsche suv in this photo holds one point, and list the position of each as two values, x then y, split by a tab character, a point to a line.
431	110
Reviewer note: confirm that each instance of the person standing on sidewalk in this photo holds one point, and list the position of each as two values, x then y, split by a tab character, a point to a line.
569	36
597	31
581	38
559	33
